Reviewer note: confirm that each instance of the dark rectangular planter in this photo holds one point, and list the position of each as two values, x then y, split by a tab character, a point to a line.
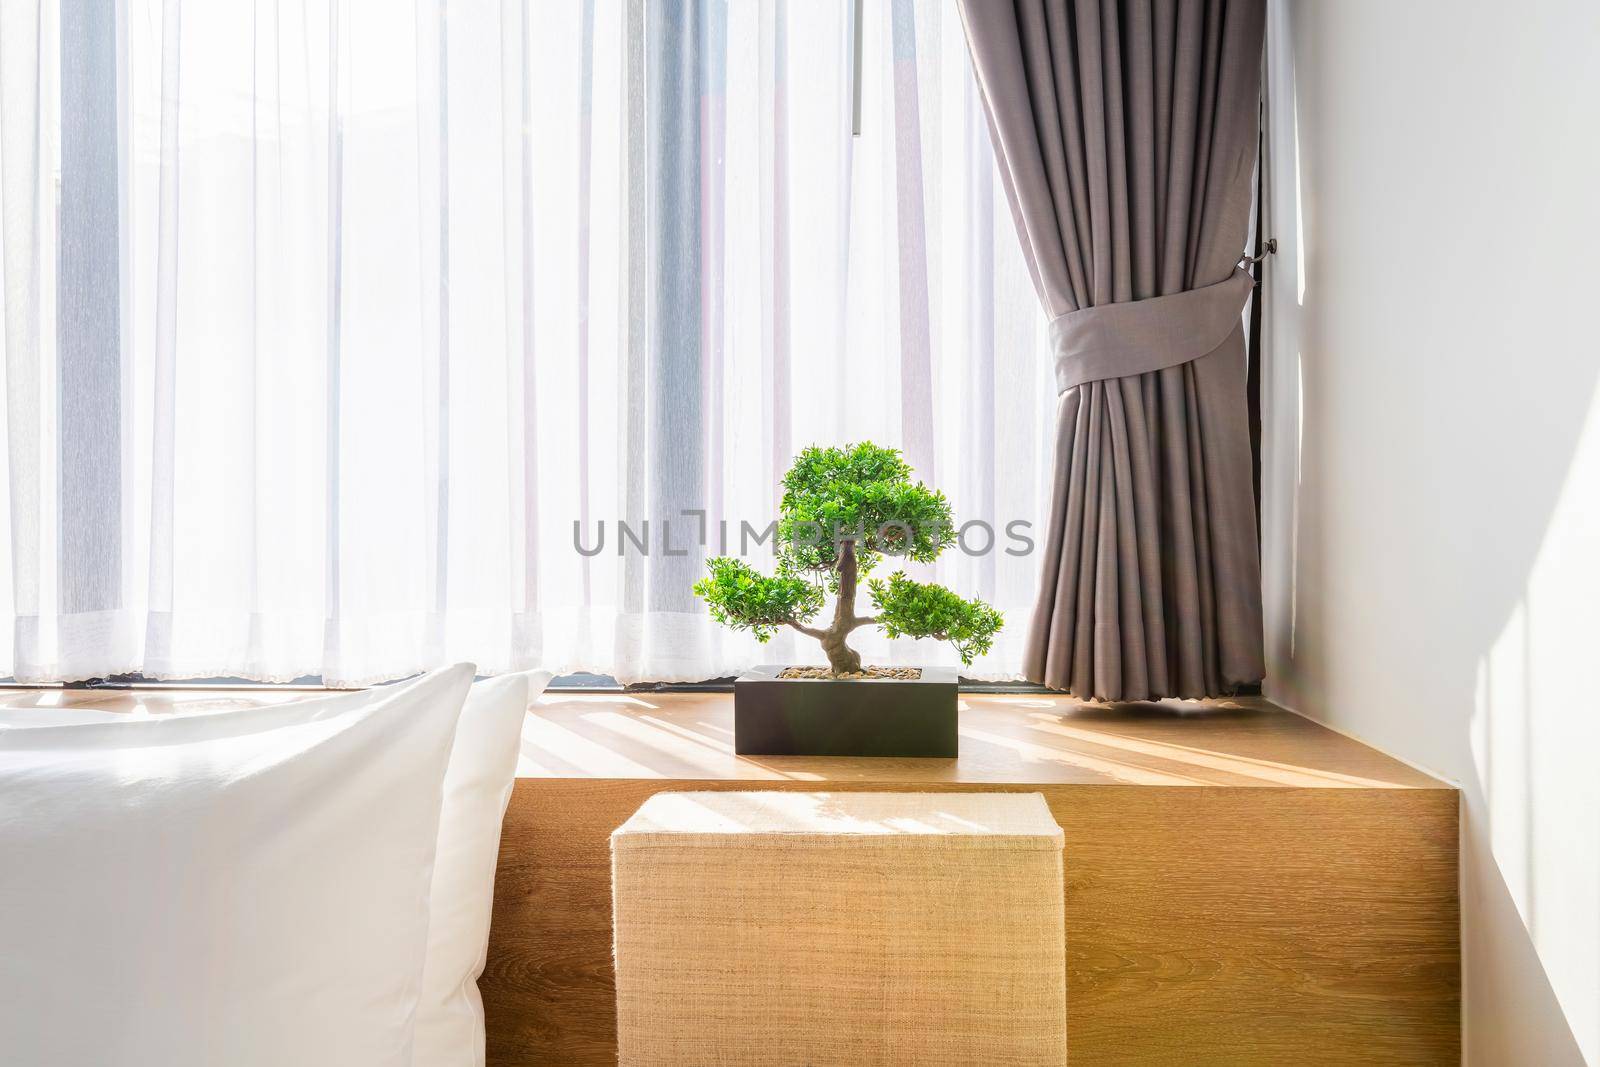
775	716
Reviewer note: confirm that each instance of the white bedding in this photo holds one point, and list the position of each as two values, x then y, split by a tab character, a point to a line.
241	888
477	787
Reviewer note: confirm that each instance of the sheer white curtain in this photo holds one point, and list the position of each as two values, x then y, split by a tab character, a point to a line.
341	337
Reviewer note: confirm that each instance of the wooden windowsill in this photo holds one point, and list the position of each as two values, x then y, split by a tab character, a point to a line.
1005	738
1243	885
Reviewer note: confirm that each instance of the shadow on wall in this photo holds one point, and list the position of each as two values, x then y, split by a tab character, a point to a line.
1431	495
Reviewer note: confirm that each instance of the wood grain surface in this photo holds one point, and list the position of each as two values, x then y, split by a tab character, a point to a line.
1021	738
1243	886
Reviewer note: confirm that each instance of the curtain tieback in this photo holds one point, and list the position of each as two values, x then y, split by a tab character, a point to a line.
1118	340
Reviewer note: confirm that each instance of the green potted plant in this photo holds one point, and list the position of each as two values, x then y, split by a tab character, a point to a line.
843	511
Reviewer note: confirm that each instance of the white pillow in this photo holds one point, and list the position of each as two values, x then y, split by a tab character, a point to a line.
242	888
477	788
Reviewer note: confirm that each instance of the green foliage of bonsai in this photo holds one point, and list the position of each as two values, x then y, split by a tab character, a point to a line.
745	599
915	609
844	510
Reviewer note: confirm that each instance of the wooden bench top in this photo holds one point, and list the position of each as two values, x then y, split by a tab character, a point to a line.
1005	738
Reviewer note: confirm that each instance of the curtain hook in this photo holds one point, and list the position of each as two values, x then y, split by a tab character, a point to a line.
1270	248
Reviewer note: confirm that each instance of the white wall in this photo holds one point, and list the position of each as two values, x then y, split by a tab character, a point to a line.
1431	500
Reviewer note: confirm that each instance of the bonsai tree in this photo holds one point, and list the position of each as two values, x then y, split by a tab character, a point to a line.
843	510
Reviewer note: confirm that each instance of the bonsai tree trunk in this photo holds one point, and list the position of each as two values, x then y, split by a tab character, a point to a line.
841	657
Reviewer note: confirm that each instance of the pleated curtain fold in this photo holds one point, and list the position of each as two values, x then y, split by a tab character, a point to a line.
1126	135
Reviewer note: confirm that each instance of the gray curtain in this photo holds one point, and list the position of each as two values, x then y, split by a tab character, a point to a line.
1126	135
